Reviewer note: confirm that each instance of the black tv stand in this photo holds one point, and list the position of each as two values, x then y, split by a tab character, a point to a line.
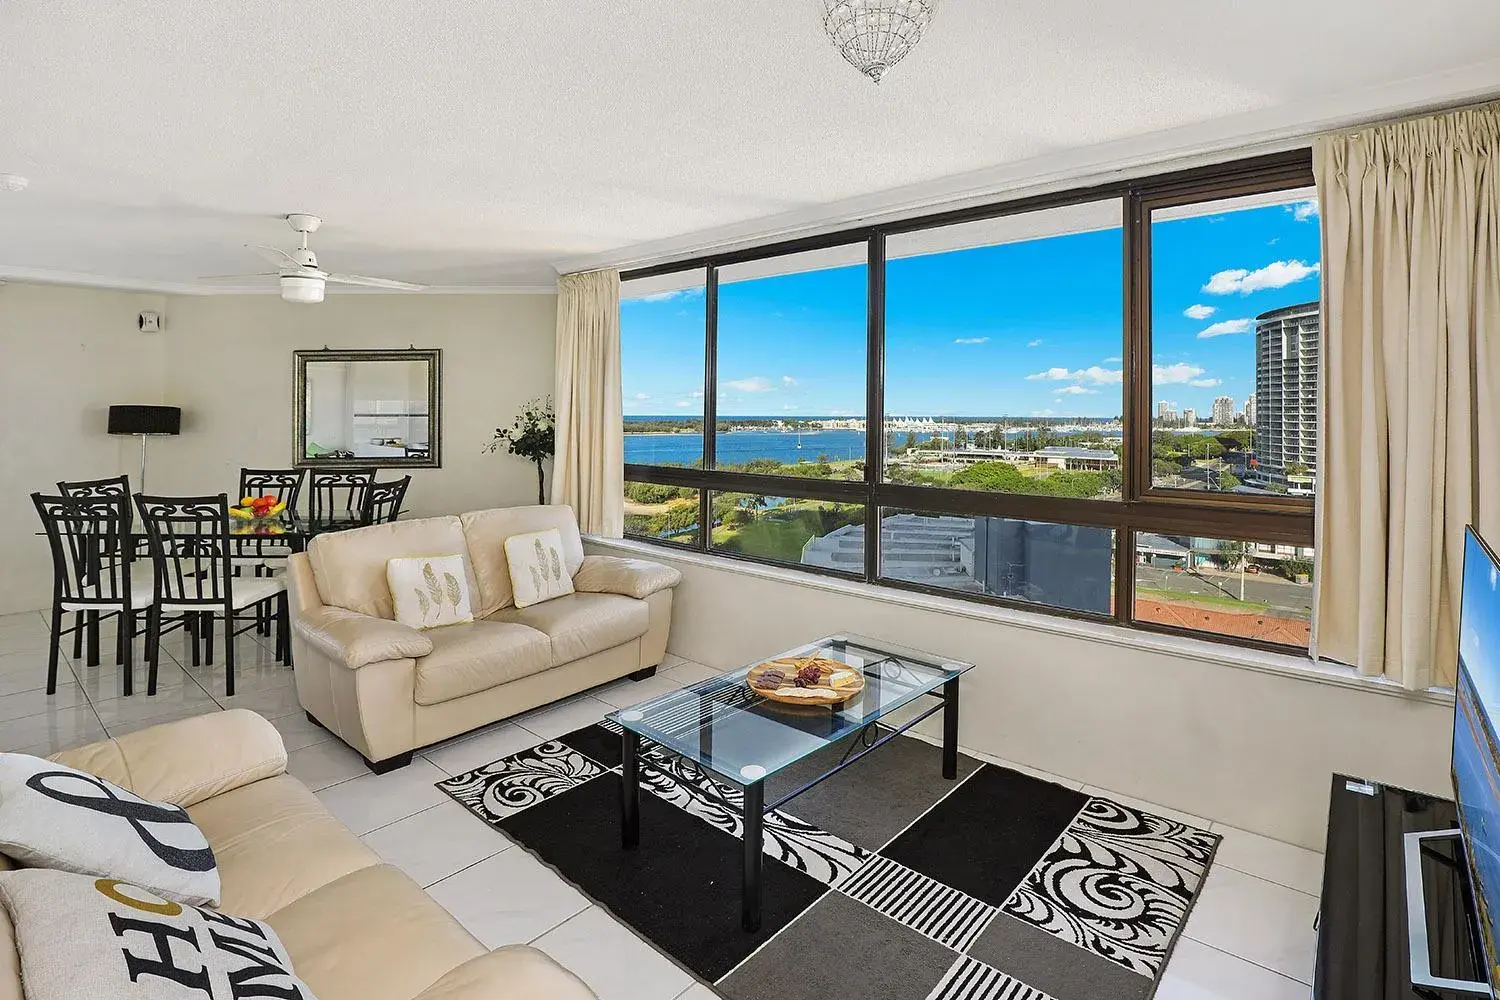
1363	944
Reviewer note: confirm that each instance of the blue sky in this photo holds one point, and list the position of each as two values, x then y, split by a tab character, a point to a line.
1029	328
1479	624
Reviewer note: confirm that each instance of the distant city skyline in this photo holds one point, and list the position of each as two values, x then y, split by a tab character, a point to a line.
1022	329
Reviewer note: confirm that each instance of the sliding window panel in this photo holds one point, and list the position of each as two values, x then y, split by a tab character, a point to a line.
662	324
792	341
662	513
822	535
1003	353
1065	566
1232	589
1235	335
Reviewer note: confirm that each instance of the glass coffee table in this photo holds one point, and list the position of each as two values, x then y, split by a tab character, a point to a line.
737	734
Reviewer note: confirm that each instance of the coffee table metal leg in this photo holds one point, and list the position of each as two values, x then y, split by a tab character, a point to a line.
950	729
754	856
630	789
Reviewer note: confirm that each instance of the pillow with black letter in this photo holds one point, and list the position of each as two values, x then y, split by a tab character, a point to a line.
80	936
52	816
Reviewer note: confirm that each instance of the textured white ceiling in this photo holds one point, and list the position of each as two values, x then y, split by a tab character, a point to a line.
477	143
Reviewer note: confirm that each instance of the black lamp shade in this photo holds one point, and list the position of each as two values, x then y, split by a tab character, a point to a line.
145	420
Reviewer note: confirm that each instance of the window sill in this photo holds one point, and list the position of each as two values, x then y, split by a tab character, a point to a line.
1300	668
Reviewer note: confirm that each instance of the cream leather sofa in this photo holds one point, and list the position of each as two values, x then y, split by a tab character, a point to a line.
386	689
356	929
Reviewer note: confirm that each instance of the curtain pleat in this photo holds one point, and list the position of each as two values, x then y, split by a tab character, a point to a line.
589	471
1411	217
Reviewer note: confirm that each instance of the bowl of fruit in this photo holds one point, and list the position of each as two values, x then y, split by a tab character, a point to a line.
262	508
806	680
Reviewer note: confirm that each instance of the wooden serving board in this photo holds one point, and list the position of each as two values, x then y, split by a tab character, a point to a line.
837	682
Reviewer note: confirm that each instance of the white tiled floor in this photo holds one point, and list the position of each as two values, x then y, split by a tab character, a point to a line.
1250	935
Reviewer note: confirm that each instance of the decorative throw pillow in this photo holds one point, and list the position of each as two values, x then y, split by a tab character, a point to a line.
537	570
430	591
85	937
52	816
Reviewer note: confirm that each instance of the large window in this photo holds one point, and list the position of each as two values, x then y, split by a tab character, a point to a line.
1234	344
662	330
1003	342
791	365
1099	404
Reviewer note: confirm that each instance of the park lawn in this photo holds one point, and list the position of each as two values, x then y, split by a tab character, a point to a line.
1208	601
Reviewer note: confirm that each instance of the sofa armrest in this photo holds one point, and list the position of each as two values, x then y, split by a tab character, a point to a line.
638	578
186	761
515	972
354	640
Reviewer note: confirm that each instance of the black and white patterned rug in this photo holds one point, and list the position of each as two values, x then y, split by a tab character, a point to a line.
883	882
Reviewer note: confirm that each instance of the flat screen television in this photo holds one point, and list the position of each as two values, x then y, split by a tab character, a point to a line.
1476	750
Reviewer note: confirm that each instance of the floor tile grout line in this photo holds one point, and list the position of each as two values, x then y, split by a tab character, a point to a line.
591	905
1265	878
1242	958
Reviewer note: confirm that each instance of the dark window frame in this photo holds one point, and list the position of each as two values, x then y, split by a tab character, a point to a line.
1143	507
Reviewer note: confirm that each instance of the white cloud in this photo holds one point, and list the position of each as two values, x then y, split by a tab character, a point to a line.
1277	274
1094	375
1041	413
1304	211
684	402
696	394
1205	383
1074	390
676	293
788	381
1225	326
753	384
640	397
1033	343
1199	311
1112	361
1175	374
972	340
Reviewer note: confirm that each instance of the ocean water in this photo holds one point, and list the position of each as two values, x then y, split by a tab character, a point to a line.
737	447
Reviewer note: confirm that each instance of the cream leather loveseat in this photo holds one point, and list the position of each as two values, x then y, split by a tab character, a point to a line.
386	689
356	929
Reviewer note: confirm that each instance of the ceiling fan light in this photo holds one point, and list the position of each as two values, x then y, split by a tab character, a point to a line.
297	288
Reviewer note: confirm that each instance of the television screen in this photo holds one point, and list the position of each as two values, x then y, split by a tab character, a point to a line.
1476	752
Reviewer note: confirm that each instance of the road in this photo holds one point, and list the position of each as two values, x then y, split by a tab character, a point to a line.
1286	597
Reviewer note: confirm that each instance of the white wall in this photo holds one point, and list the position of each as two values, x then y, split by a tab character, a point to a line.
1246	747
229	366
69	352
66	354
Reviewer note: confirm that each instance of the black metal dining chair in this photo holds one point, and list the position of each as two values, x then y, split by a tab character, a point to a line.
114	486
91	548
337	497
383	501
192	551
283	484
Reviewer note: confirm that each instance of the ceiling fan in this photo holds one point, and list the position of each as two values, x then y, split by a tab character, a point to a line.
301	278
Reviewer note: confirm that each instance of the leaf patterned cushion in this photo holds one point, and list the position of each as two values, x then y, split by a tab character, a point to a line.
538	571
430	591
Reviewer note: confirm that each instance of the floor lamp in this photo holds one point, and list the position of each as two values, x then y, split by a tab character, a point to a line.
145	421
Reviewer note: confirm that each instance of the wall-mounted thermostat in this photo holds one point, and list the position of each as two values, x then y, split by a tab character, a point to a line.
149	322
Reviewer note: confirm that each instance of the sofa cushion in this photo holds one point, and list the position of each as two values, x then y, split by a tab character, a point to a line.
349	566
111	928
582	624
372	935
275	843
55	816
430	591
466	659
536	567
486	532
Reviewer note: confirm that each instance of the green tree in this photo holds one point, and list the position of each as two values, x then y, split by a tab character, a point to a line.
911	440
1296	470
1228	480
1231	554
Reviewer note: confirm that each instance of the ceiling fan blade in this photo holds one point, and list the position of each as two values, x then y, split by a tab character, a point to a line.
238	277
278	257
359	279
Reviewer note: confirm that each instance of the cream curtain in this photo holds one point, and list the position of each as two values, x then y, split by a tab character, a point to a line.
589	473
1411	441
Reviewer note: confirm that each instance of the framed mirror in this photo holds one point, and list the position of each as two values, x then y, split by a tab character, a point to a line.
368	408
